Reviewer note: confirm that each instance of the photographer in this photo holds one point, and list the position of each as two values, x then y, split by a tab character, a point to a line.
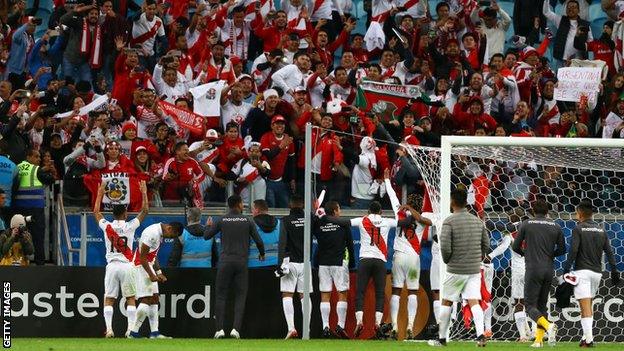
16	243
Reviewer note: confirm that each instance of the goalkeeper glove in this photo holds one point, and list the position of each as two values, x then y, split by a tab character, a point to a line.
615	277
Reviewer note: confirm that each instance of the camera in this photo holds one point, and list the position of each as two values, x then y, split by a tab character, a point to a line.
18	221
354	119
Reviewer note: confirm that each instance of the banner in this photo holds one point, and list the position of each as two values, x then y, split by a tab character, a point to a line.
385	99
184	119
574	82
207	99
121	188
101	103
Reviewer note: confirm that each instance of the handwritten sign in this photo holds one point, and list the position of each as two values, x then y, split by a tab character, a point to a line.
574	82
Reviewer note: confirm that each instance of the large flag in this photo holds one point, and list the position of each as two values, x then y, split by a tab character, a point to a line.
386	99
121	189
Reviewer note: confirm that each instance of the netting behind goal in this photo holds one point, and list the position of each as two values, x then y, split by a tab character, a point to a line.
502	182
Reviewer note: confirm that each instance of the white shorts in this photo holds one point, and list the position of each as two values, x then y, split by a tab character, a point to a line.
468	286
434	272
294	279
144	286
405	271
118	275
338	275
517	283
588	284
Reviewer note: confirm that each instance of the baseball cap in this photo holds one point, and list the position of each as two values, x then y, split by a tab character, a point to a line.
140	148
300	88
212	134
244	76
278	118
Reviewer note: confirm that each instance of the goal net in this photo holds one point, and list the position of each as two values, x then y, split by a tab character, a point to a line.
503	178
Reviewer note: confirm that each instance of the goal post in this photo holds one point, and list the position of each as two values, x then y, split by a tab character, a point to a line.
503	175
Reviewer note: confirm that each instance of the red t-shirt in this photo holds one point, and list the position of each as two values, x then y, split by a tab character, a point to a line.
185	172
278	163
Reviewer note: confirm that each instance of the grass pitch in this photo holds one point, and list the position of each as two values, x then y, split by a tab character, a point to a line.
120	344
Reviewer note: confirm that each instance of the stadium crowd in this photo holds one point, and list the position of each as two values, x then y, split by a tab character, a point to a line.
109	88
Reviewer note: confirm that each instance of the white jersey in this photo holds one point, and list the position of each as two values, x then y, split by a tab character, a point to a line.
142	26
125	230
208	156
517	261
234	113
402	240
374	231
152	237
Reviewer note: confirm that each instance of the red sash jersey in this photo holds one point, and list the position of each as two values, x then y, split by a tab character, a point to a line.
278	163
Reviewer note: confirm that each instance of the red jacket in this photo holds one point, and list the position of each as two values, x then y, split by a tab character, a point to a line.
126	82
469	122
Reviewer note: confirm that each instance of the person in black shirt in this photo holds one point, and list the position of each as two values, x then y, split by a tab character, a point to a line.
235	231
335	259
290	259
589	241
544	241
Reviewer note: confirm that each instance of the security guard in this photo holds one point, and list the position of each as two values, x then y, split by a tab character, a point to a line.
268	228
29	198
190	249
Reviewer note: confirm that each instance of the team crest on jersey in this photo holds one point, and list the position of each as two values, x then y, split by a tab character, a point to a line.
211	94
116	190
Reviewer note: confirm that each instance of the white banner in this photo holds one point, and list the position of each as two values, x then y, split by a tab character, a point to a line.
573	82
99	103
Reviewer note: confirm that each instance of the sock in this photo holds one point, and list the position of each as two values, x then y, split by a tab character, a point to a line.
325	308
539	334
141	312
445	319
309	314
487	315
289	312
520	318
394	310
358	316
543	322
587	323
341	308
477	317
412	307
153	318
436	310
378	318
108	317
131	312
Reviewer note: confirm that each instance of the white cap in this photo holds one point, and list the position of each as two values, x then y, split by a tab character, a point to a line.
270	92
19	221
211	133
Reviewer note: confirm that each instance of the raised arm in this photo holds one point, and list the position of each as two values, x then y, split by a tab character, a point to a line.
550	15
98	201
145	201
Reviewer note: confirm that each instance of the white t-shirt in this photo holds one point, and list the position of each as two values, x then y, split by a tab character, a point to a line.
368	248
207	156
231	112
125	230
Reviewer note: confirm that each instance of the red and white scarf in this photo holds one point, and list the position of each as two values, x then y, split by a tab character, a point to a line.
91	47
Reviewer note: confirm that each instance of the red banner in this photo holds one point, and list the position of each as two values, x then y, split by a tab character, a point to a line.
187	119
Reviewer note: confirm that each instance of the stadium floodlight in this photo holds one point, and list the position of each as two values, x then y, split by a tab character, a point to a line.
503	175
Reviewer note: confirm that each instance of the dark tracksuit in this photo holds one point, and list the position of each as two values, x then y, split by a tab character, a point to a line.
291	237
589	241
235	232
544	241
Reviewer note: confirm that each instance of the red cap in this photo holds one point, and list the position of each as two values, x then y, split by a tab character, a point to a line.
278	118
